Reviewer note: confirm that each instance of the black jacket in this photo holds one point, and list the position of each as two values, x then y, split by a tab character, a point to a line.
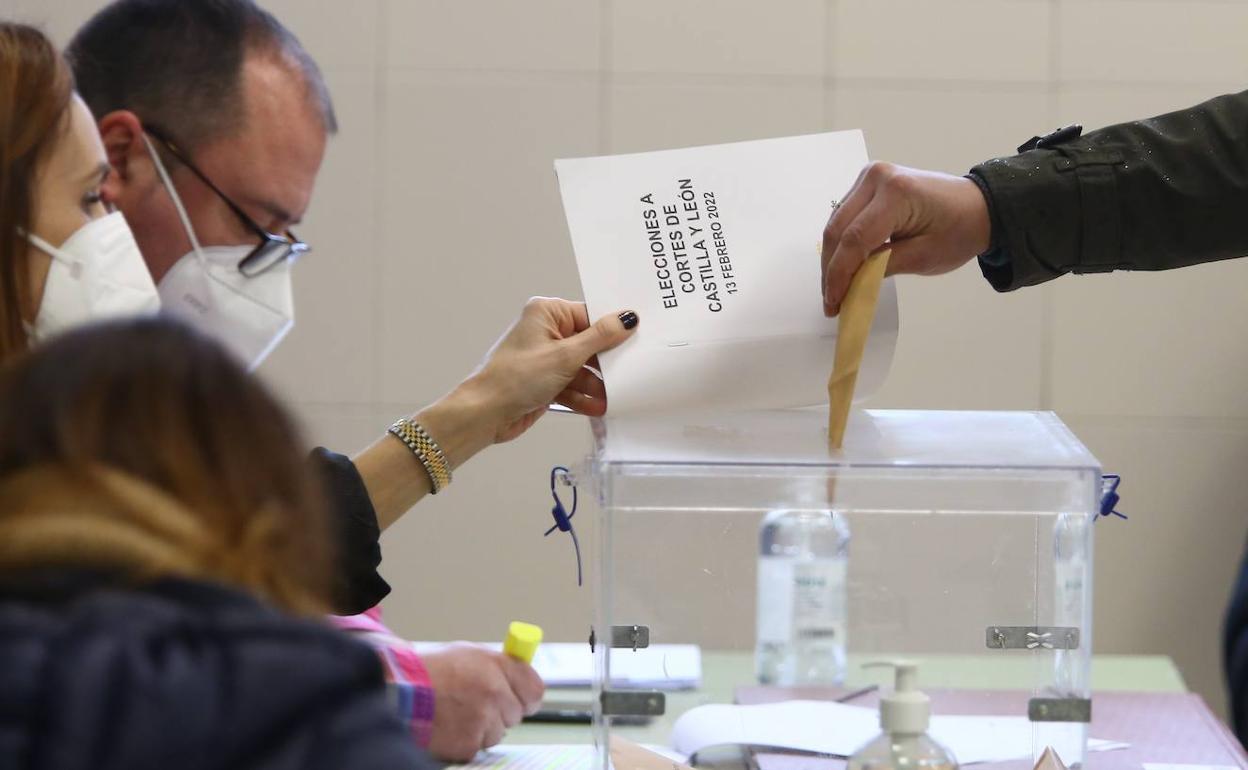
358	585
183	675
1152	194
1235	653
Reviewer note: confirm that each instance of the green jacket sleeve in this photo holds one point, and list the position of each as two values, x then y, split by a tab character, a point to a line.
1152	194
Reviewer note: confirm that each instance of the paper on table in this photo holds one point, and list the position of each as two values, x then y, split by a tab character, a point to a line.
712	247
550	756
839	729
1172	766
532	757
853	332
626	755
571	664
816	726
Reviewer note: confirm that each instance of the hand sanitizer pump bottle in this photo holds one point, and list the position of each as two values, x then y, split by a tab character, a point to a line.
802	562
904	717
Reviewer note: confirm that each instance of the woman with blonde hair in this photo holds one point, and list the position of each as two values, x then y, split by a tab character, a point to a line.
159	532
160	535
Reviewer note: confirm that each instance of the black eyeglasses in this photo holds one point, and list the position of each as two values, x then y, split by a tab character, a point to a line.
272	250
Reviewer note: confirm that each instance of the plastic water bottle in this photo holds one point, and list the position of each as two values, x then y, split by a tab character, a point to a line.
802	560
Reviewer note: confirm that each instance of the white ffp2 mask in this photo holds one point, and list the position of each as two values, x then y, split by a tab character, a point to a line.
248	315
97	273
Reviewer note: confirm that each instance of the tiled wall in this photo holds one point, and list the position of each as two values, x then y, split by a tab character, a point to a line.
437	215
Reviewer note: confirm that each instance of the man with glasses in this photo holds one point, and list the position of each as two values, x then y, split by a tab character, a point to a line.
239	293
215	121
271	249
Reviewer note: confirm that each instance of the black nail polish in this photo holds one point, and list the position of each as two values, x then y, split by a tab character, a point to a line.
629	319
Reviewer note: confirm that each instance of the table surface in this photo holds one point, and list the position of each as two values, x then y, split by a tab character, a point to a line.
724	672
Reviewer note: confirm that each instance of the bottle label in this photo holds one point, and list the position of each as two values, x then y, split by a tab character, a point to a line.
801	600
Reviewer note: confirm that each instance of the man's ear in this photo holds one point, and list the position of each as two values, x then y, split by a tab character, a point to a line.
122	133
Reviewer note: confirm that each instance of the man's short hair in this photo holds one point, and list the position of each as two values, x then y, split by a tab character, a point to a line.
178	64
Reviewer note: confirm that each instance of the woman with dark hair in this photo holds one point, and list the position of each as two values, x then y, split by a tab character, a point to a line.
159	534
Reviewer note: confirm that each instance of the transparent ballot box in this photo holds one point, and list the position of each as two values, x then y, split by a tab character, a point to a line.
958	540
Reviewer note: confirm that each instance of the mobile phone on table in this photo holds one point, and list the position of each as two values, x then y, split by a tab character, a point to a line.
577	712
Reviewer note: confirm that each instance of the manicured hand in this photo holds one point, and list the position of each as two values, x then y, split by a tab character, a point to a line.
542	360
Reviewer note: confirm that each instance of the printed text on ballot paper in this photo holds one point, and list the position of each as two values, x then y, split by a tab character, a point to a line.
689	247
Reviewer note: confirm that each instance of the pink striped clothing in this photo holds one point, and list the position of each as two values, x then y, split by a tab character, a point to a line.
407	679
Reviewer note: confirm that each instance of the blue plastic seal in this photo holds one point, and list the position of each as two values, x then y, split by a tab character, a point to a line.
1109	496
563	518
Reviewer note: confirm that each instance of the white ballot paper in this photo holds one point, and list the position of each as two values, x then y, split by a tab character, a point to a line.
717	250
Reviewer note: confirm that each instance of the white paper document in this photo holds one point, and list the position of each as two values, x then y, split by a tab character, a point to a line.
545	756
571	664
839	729
717	250
532	757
